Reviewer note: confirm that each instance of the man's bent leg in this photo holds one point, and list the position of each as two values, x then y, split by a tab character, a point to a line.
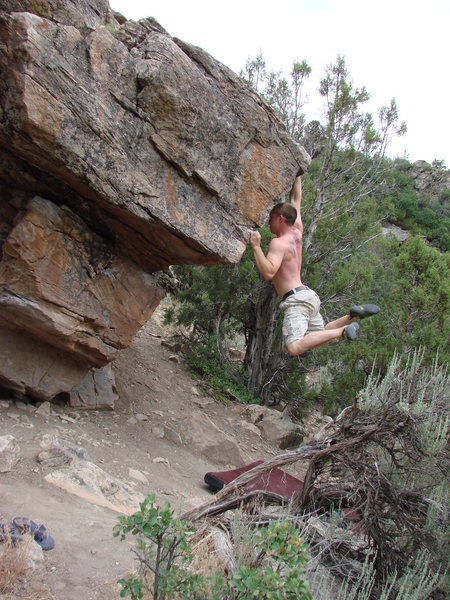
341	322
356	313
314	339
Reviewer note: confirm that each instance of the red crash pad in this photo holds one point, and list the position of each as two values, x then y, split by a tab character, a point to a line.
275	482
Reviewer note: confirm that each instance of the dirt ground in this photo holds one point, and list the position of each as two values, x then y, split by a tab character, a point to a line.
87	561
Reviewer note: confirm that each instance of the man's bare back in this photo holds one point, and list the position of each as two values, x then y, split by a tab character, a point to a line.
288	275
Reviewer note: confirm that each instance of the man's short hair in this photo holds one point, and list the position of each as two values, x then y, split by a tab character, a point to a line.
285	210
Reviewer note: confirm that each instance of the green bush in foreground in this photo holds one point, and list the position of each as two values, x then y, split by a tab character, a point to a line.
165	561
162	550
276	571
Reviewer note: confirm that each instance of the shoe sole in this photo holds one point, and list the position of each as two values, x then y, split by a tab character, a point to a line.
351	331
364	311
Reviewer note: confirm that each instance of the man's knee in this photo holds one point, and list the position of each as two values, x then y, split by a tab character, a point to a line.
296	348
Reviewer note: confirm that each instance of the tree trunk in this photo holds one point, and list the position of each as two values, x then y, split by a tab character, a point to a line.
263	353
232	372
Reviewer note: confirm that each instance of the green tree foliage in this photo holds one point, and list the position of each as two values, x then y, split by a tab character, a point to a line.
220	302
285	96
411	285
163	552
349	167
421	296
275	572
255	71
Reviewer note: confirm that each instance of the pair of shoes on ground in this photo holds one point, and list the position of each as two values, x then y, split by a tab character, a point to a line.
359	312
20	526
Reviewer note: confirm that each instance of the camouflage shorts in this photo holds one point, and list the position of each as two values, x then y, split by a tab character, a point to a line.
301	315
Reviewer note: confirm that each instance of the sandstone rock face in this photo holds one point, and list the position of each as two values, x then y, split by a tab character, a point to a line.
275	427
202	435
85	15
122	151
60	282
67	303
30	367
97	390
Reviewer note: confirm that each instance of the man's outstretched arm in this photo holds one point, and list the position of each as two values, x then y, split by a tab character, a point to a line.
296	201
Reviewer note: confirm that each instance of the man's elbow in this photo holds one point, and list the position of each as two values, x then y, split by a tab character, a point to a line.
267	276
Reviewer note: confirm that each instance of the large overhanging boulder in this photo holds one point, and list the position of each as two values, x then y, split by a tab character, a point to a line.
122	151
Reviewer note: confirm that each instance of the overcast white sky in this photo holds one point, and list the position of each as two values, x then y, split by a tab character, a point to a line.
395	48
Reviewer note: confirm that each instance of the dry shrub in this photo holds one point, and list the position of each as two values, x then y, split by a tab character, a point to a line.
13	564
17	578
212	551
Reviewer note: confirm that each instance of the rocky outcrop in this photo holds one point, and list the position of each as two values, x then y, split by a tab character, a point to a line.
200	434
90	482
397	232
430	179
122	151
97	390
274	426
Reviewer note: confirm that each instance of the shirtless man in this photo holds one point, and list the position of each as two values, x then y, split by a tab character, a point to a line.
303	325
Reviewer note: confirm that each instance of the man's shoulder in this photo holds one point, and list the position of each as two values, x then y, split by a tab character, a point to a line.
277	245
294	234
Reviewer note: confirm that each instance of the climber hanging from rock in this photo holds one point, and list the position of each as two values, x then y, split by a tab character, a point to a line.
303	325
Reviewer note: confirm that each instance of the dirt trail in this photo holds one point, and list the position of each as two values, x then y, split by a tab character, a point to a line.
87	561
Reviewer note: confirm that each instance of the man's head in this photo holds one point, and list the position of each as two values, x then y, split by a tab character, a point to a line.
281	213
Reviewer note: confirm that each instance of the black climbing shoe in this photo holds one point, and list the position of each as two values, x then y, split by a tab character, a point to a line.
366	310
22	525
350	332
45	541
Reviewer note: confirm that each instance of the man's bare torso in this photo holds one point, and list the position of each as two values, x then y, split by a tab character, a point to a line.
288	275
